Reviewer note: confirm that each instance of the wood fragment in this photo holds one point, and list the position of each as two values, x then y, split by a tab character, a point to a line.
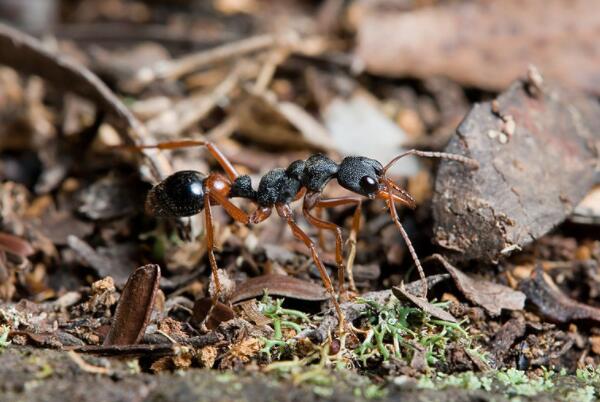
525	186
135	307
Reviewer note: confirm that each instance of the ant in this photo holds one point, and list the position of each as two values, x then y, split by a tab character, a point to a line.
187	192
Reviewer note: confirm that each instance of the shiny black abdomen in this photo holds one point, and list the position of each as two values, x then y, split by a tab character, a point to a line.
179	195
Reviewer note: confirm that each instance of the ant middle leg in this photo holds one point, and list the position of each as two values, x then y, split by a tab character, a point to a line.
285	212
312	201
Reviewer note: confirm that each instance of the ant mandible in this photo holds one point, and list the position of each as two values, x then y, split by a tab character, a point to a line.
188	192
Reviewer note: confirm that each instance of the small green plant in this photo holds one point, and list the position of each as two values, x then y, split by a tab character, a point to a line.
519	383
4	331
400	331
281	318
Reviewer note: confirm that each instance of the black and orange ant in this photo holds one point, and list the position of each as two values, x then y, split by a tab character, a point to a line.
188	192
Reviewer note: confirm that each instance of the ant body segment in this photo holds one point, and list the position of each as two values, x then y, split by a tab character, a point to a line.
187	193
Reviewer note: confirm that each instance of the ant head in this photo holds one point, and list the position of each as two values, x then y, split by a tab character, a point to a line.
179	195
360	175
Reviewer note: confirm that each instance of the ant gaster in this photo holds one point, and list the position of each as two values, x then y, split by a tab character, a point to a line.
188	192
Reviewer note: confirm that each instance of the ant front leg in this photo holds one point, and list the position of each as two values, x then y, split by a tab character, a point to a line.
285	212
313	200
217	188
225	164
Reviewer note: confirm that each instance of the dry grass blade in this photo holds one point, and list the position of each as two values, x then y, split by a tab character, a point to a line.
135	307
279	285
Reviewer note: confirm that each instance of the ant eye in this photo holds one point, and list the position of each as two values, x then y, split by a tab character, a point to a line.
369	184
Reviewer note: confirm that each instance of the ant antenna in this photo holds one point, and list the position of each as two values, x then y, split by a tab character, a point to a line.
389	185
411	249
472	163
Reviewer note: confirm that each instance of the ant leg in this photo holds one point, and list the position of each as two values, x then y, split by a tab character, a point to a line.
285	212
320	234
428	154
335	202
217	188
212	148
210	246
392	207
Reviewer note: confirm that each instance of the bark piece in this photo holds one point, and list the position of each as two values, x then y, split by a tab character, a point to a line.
535	145
506	336
552	303
135	307
493	297
485	43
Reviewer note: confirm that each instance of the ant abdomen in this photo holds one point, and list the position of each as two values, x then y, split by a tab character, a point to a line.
179	195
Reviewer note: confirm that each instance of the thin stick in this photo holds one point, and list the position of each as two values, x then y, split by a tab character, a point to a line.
173	69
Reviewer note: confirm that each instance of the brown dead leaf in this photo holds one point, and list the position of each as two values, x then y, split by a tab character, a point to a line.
135	307
15	245
207	313
491	296
552	302
401	293
485	43
279	285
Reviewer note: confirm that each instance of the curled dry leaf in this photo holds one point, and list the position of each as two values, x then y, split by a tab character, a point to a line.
552	303
403	294
135	307
527	182
485	43
491	296
210	314
279	285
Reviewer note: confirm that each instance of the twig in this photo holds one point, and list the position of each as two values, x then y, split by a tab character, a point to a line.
173	69
85	366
